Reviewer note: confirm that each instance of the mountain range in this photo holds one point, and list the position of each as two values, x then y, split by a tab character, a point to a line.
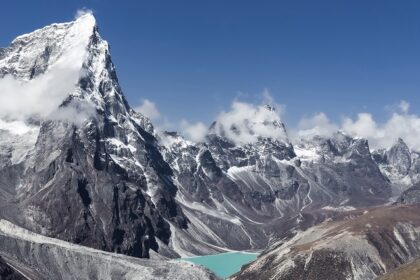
89	189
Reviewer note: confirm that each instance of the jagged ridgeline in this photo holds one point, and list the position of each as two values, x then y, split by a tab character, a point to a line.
100	181
83	167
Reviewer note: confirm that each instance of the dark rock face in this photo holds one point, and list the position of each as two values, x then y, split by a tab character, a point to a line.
224	188
399	156
411	195
263	191
8	273
102	183
400	165
344	171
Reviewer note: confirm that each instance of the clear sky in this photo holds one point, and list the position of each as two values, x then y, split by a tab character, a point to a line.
193	57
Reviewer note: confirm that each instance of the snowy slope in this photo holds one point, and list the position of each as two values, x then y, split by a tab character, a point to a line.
56	259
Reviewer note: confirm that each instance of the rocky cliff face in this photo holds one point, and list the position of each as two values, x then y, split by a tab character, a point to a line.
7	272
400	165
225	188
99	181
266	189
411	195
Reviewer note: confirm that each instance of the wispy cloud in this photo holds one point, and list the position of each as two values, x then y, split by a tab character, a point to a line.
401	124
41	97
195	132
244	122
149	109
318	124
83	11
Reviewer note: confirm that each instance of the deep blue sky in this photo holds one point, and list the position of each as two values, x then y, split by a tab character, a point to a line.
194	57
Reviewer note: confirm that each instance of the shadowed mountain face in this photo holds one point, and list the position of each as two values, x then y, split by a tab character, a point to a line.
99	181
86	168
267	189
8	273
400	165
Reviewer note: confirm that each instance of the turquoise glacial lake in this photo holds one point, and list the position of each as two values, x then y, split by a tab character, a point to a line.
224	265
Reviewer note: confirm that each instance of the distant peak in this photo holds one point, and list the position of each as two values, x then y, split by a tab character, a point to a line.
57	60
270	108
247	123
400	142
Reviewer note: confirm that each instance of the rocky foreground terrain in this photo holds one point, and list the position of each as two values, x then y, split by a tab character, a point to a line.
90	190
38	257
359	244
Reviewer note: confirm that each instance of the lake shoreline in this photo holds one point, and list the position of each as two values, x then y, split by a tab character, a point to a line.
224	264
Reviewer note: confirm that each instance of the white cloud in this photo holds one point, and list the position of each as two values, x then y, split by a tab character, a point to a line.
38	97
404	106
149	109
242	124
364	126
42	96
318	124
245	122
384	135
83	11
195	132
401	124
16	127
77	111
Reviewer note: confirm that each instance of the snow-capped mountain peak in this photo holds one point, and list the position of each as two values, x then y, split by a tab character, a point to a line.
247	123
34	53
62	80
399	156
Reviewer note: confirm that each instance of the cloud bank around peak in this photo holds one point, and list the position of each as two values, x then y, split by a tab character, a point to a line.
83	11
149	109
195	132
244	122
42	96
400	124
318	124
